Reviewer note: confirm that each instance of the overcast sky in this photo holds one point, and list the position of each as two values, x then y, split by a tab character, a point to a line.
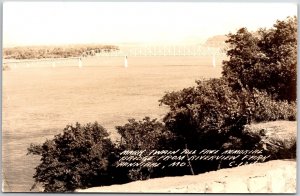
36	23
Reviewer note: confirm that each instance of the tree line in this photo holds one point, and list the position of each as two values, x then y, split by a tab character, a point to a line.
39	52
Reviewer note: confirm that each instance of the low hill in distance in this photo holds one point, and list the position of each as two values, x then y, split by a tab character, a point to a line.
216	41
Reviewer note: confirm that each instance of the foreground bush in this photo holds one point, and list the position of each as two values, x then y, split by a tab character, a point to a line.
264	108
206	114
213	108
80	157
147	134
212	115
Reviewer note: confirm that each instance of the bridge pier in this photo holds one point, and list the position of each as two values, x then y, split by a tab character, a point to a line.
79	63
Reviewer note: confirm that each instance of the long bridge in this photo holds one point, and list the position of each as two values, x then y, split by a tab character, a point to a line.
148	50
166	50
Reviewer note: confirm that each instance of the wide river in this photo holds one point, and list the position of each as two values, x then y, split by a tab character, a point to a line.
39	101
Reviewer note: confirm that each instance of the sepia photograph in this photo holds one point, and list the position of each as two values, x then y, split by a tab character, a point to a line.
149	97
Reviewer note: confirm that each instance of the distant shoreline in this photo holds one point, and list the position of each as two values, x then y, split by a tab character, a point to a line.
45	52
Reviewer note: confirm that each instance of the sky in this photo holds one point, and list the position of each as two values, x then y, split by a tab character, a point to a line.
55	23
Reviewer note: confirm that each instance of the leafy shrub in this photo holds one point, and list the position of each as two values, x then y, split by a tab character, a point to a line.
78	158
265	60
264	108
212	115
146	134
206	114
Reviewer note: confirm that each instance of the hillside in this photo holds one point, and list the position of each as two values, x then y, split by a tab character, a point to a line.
216	41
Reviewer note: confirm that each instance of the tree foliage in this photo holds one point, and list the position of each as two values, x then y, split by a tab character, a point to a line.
265	59
208	114
144	134
78	158
39	52
205	114
212	116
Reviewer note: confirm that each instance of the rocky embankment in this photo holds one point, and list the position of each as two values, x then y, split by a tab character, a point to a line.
277	176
